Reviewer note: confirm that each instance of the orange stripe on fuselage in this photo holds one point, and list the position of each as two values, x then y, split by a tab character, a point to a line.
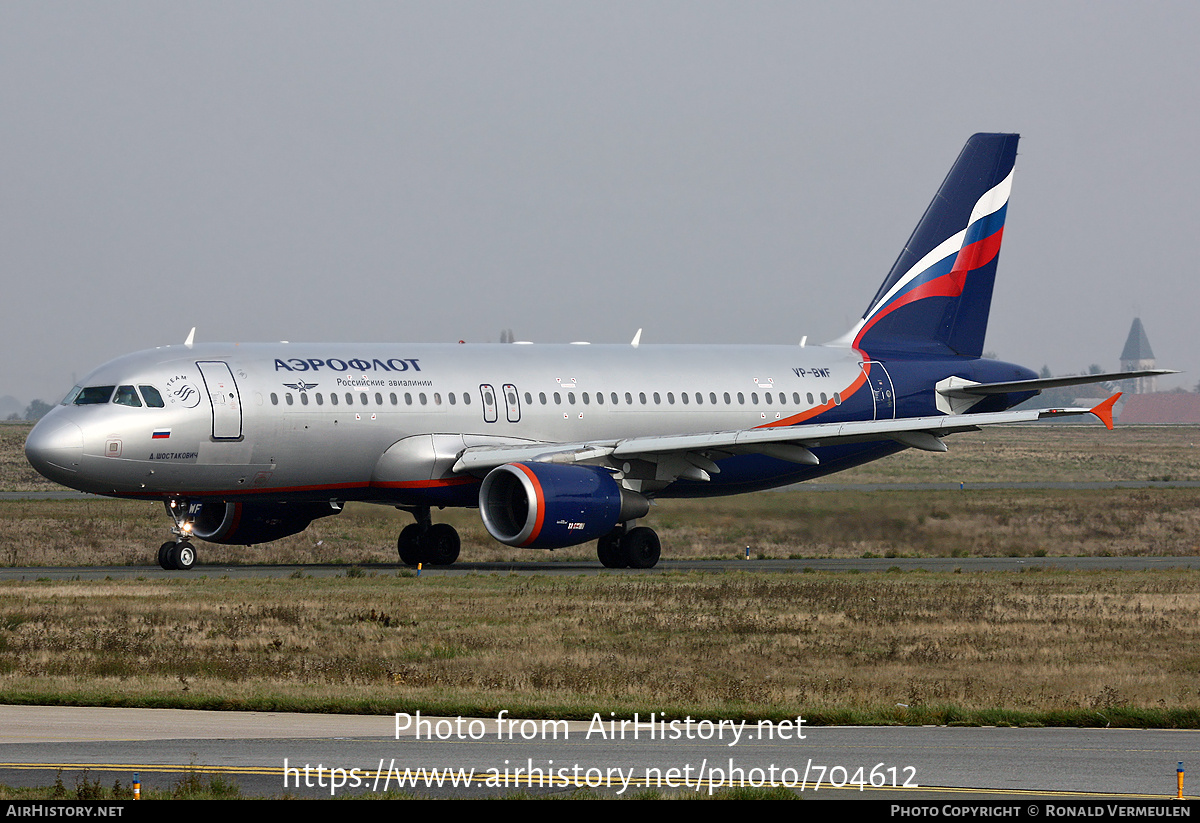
824	407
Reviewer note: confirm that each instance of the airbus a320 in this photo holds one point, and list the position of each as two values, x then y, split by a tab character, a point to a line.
556	445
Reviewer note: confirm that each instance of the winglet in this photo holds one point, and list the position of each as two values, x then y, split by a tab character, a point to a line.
637	339
191	337
1104	410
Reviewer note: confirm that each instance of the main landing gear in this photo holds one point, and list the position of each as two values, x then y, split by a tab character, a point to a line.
178	554
433	544
636	548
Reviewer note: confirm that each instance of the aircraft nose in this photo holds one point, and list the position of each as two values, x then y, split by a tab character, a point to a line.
55	449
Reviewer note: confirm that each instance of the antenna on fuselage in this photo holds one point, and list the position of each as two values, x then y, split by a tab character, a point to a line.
637	338
191	337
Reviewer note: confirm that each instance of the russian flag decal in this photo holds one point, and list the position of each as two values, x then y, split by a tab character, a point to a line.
160	434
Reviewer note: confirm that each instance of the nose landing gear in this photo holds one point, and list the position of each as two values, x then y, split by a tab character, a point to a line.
178	554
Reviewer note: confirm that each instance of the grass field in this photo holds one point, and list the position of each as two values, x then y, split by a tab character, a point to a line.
1033	647
1041	647
996	523
1155	521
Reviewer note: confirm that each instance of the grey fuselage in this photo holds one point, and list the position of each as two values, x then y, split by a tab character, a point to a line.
385	422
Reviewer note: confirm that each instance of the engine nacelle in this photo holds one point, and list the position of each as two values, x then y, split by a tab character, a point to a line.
247	524
548	506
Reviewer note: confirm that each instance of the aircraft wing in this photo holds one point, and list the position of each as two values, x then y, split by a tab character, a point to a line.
684	455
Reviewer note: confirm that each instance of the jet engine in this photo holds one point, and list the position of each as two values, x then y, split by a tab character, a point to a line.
548	506
247	524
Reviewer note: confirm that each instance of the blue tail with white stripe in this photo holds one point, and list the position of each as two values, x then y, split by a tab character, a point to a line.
935	300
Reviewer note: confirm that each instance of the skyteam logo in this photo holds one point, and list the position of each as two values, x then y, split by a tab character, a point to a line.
943	272
180	391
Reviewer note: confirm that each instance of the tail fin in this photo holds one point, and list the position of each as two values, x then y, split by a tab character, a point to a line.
936	298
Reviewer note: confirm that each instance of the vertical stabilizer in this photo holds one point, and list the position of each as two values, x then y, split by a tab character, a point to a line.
936	298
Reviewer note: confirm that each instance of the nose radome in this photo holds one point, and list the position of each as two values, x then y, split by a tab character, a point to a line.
55	449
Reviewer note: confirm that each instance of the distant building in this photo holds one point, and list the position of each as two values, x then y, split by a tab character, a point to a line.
1137	356
1165	407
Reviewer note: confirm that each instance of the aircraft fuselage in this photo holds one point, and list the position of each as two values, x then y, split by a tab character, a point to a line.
316	421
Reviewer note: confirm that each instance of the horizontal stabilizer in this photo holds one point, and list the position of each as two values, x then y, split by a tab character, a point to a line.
1040	383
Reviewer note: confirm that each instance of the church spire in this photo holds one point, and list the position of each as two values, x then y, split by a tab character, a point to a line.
1137	355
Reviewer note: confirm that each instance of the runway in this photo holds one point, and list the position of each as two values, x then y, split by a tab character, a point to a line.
591	567
337	755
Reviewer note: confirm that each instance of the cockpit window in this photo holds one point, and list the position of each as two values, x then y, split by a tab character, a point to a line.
153	398
71	395
127	396
93	395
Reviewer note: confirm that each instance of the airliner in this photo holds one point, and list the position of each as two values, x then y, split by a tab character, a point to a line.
556	445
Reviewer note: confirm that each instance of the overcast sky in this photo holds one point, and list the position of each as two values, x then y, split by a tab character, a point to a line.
712	172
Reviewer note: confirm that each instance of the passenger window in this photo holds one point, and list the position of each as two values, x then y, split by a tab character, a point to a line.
303	398
378	399
153	398
542	397
127	396
288	398
333	398
274	399
320	399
